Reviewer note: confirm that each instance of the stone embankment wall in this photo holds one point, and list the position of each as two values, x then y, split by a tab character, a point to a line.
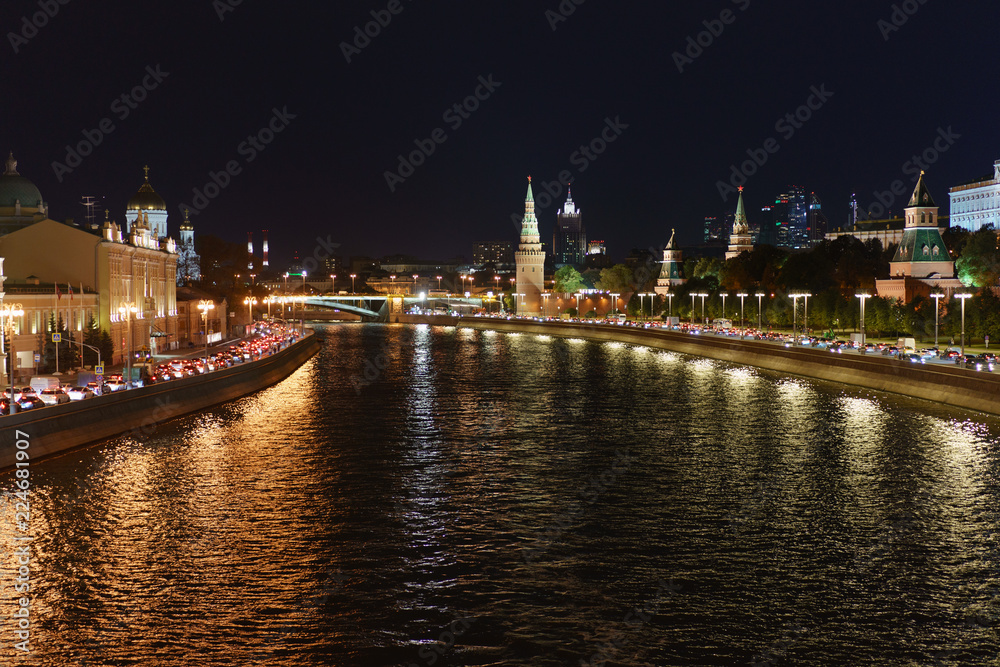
58	428
948	385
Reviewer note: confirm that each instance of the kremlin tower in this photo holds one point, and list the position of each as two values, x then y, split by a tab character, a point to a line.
740	240
529	261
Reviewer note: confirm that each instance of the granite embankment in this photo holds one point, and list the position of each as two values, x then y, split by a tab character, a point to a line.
58	428
959	387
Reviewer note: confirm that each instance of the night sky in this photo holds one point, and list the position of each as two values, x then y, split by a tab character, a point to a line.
557	84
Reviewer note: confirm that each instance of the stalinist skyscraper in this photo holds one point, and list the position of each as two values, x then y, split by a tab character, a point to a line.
529	261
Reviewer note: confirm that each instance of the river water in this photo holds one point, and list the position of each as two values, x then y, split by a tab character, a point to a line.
441	496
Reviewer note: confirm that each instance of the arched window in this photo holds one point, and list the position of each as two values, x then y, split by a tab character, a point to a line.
927	251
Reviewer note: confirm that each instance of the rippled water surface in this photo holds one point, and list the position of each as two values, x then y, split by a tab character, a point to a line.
444	496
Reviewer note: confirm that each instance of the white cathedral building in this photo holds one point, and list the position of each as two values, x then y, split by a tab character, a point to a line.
153	209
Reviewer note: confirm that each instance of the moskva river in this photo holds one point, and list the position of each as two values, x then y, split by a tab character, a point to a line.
439	496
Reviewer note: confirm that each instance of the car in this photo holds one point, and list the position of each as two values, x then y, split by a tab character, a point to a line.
27	402
79	393
53	396
912	357
114	383
889	351
6	392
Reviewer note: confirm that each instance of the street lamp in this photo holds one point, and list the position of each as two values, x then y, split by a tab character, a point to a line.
614	303
863	296
250	303
497	278
742	296
439	283
354	275
545	305
693	295
204	306
805	320
795	318
670	298
126	309
703	297
724	295
415	276
7	314
642	309
333	283
936	311
577	295
963	297
759	295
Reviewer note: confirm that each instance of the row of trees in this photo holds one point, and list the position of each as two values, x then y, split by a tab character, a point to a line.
69	349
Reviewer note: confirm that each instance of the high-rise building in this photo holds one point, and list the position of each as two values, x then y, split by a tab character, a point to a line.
715	228
798	217
817	220
768	227
530	261
569	240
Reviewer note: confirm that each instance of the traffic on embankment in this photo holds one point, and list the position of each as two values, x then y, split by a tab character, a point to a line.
944	384
58	428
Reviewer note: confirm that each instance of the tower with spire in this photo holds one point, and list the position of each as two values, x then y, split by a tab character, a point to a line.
740	240
569	240
529	262
670	272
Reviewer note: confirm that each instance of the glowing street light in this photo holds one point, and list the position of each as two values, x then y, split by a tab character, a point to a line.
795	318
963	297
937	310
439	283
703	297
127	309
724	295
545	304
614	303
670	298
415	276
863	296
759	295
7	314
204	306
354	275
333	283
250	302
742	296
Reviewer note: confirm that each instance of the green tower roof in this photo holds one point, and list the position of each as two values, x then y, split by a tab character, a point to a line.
921	195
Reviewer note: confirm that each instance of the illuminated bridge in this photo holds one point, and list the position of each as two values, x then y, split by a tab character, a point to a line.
377	307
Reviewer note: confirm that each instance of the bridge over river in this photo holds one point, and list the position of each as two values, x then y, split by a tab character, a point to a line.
378	307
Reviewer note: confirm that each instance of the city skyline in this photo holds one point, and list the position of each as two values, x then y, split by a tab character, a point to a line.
642	113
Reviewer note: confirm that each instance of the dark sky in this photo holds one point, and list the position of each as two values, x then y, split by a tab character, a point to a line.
324	174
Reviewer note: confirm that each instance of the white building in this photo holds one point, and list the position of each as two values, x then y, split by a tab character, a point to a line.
977	204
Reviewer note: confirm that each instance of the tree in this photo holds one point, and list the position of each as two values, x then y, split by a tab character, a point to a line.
568	279
616	279
979	264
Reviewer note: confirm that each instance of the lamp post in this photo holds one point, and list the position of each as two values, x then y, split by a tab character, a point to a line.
496	278
415	276
269	300
759	295
439	283
126	309
463	283
693	295
642	309
577	295
963	297
742	296
333	283
545	305
614	303
7	314
863	296
204	306
250	303
936	296
354	275
805	319
795	323
724	295
670	298
703	297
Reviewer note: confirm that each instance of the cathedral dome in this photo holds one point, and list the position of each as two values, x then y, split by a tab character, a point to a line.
146	198
15	188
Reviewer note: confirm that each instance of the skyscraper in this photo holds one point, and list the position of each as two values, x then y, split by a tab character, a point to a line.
569	240
817	220
798	217
530	261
